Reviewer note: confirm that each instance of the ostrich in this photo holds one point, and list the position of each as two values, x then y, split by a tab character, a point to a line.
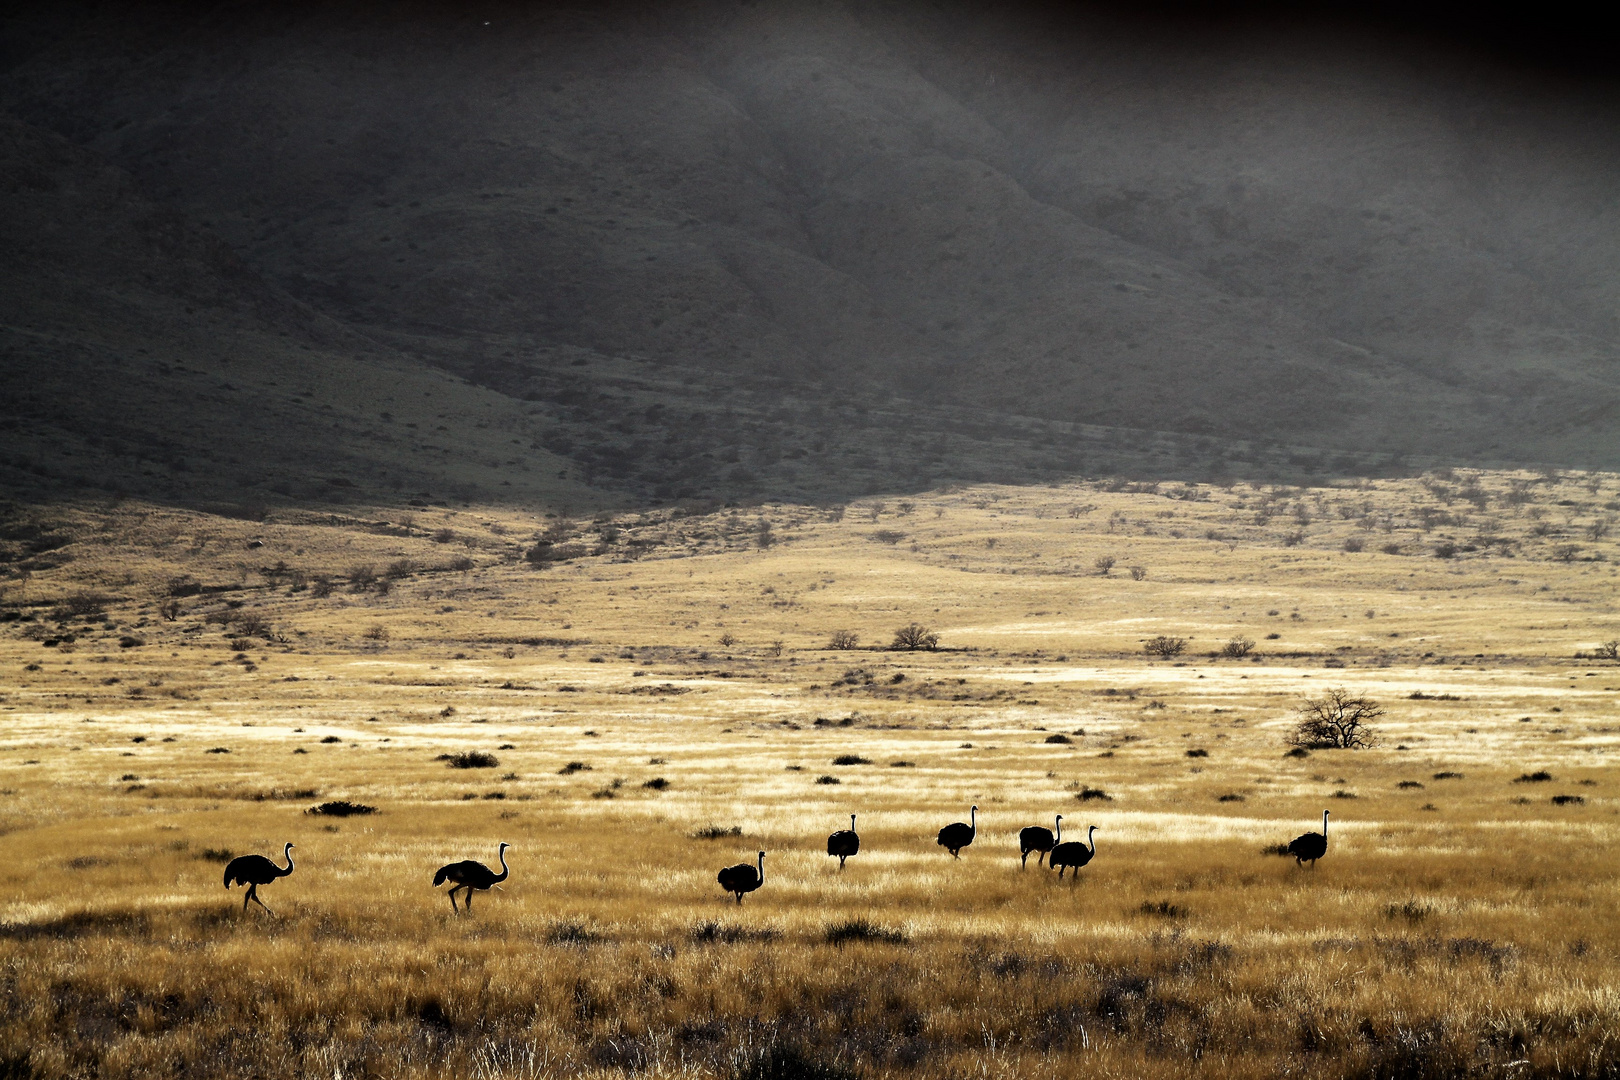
844	843
956	836
471	875
743	878
256	870
1034	838
1311	846
1074	853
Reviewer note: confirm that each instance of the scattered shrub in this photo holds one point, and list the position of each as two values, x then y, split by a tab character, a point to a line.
789	1062
717	832
1237	648
1090	794
1163	908
472	759
861	929
851	759
1567	800
657	783
1409	785
331	739
1058	739
1537	777
1233	797
573	767
341	808
218	750
1446	775
828	780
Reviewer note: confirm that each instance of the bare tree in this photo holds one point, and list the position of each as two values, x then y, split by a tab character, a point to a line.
1165	648
844	639
1138	573
1237	648
915	636
1104	564
1336	721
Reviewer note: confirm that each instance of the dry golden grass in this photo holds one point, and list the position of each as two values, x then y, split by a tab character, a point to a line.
1465	925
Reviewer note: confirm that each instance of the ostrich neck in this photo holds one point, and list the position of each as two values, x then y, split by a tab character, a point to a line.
762	868
1324	826
287	854
1091	839
973	819
504	870
1058	839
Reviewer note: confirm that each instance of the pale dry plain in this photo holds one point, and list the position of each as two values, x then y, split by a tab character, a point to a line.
1462	923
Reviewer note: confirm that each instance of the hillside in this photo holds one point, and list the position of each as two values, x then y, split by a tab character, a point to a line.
814	250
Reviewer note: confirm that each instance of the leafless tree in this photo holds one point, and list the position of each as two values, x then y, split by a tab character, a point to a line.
1336	721
1237	648
1165	648
915	636
844	639
1104	564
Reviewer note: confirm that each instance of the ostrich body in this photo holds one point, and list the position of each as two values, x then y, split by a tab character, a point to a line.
1034	838
472	876
1072	854
1311	846
844	843
742	878
256	870
956	836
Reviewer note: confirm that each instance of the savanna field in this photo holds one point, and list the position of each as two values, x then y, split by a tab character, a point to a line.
634	700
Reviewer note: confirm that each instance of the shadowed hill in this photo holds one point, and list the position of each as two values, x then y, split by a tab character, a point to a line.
629	215
140	355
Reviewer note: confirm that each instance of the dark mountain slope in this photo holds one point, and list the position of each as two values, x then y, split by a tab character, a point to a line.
139	355
970	208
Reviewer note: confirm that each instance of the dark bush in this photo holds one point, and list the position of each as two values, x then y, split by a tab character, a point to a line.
573	767
657	783
828	780
472	759
864	930
1568	800
341	808
1089	794
851	759
1058	740
331	739
717	832
1538	777
788	1062
1198	752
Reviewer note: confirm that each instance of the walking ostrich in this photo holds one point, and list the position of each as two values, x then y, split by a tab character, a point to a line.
956	836
1074	853
471	875
844	843
1311	846
1034	838
743	878
253	871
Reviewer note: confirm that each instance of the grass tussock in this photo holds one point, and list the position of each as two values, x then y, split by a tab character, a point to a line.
341	808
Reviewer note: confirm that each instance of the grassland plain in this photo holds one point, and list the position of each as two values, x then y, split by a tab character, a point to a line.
658	695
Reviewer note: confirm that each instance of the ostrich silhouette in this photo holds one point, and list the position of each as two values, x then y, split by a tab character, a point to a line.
844	843
256	870
1035	838
956	836
1072	854
742	878
1311	846
471	875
